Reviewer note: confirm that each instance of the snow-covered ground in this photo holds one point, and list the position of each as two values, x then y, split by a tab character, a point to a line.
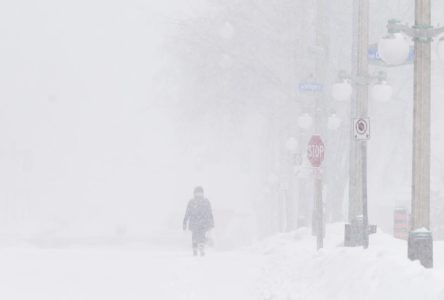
294	270
283	267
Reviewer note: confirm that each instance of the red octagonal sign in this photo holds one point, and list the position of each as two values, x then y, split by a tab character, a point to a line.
316	151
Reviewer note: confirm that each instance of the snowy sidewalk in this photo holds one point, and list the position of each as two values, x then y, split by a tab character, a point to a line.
126	274
285	267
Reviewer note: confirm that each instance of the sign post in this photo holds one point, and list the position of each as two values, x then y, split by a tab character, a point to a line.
316	154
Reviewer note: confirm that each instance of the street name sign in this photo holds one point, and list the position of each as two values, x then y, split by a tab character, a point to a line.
311	87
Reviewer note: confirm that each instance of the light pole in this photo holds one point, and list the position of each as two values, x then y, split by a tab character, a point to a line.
320	50
273	183
342	90
357	231
358	159
420	243
305	123
334	168
291	146
321	43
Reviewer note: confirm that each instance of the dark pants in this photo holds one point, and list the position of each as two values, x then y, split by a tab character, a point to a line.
198	239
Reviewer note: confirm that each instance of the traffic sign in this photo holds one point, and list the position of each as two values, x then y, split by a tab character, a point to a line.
362	129
311	87
316	151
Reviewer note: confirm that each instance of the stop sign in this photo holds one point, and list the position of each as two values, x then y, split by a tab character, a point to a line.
316	151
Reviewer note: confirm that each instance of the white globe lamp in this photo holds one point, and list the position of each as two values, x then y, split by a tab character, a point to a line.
342	91
291	145
334	122
382	92
305	121
394	49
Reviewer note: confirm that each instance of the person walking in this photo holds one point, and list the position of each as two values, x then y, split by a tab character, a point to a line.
199	218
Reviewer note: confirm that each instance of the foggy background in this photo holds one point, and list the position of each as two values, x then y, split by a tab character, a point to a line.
111	112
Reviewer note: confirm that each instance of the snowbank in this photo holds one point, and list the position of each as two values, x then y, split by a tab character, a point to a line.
295	270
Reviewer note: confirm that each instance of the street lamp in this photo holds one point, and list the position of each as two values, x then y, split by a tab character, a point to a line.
273	183
342	90
305	121
420	243
394	48
356	233
291	145
381	90
334	122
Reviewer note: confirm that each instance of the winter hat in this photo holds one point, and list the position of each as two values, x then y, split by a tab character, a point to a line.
198	190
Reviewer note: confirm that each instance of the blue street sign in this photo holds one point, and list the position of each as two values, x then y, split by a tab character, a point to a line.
311	87
373	54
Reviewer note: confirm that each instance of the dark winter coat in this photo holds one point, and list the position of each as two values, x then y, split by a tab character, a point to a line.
199	215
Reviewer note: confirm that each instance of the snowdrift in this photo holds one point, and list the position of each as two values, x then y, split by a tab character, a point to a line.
295	270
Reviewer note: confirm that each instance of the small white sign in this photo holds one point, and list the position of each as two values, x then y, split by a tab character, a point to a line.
362	129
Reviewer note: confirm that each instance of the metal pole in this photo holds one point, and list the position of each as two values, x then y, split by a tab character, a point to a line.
353	203
421	121
321	61
365	232
363	107
420	244
359	109
291	196
303	205
319	212
361	70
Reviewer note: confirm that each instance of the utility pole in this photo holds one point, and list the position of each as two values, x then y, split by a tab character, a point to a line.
358	215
